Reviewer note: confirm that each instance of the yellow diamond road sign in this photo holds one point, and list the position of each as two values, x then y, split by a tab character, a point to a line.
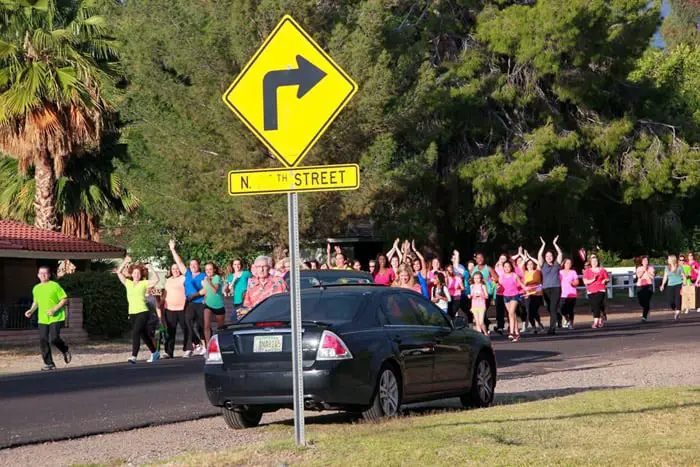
289	92
270	181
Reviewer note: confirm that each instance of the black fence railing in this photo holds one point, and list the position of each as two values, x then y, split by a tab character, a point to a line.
12	317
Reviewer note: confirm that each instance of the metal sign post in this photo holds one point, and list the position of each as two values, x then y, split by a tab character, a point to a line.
289	127
295	308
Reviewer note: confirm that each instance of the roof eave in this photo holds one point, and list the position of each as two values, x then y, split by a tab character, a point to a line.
60	255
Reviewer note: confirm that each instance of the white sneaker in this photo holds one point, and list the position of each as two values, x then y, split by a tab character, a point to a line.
565	323
200	350
570	326
154	356
131	360
187	354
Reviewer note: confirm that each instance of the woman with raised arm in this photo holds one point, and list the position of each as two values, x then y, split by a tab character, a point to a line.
551	284
394	252
174	299
420	271
533	295
645	280
455	285
672	282
135	280
596	279
194	307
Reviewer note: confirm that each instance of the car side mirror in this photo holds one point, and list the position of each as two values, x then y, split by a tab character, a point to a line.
460	322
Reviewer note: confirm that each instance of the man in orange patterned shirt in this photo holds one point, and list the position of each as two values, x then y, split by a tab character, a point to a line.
261	286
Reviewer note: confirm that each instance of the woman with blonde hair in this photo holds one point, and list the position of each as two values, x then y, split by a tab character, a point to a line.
405	279
672	282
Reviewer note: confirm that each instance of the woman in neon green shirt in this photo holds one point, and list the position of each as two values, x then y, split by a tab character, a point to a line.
136	283
213	292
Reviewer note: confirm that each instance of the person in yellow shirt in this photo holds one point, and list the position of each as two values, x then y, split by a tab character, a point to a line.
340	261
50	299
136	283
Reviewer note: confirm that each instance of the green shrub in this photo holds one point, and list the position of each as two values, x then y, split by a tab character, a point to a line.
105	309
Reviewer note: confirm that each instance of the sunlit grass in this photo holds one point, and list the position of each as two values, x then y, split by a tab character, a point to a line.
620	427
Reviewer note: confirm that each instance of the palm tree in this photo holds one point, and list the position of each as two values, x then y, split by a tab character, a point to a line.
89	190
56	64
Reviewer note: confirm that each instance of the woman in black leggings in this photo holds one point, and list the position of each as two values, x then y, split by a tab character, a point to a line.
136	283
672	282
645	279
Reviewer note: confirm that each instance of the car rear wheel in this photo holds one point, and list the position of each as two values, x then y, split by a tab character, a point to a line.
242	418
387	396
483	384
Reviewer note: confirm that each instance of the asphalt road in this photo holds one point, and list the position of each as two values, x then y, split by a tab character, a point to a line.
38	407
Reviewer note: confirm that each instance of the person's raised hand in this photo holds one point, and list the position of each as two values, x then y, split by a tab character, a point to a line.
171	244
338	250
328	248
543	242
396	243
127	259
556	239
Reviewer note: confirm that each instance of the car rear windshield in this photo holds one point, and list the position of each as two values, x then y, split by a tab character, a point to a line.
336	308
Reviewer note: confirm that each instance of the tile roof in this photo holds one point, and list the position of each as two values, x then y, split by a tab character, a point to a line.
25	238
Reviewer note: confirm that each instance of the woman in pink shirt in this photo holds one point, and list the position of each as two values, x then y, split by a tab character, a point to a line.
596	279
569	281
384	275
645	279
512	286
174	298
455	285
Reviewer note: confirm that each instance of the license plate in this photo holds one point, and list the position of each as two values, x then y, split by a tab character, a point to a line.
267	344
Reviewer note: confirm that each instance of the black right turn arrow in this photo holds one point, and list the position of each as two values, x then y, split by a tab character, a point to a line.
306	76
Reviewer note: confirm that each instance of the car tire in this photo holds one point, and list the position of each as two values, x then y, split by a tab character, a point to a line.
241	419
483	383
386	400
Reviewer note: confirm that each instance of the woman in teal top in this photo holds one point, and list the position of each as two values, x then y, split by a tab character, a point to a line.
237	283
673	279
213	291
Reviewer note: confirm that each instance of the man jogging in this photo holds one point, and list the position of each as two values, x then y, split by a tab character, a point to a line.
50	299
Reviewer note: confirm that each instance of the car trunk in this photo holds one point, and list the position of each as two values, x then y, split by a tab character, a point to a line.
267	348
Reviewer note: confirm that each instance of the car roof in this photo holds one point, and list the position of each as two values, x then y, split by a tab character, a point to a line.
333	289
335	272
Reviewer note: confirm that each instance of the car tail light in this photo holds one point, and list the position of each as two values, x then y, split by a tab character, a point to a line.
332	347
213	352
269	324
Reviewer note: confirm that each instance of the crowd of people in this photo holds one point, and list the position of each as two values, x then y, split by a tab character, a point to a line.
518	285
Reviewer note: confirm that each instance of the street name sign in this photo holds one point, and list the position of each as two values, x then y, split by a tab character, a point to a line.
289	92
275	181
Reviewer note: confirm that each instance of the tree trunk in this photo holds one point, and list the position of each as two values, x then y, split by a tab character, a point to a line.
45	195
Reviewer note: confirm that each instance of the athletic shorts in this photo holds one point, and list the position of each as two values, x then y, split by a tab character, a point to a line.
217	311
514	298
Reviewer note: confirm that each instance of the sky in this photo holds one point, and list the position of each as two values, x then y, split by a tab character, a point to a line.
658	41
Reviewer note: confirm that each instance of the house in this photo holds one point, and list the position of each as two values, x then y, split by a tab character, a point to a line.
23	249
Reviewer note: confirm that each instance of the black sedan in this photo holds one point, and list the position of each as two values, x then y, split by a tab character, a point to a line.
366	349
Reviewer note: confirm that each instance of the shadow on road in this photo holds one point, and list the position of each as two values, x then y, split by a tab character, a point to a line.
509	357
100	377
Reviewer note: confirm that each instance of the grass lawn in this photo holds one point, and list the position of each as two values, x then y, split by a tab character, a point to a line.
628	427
